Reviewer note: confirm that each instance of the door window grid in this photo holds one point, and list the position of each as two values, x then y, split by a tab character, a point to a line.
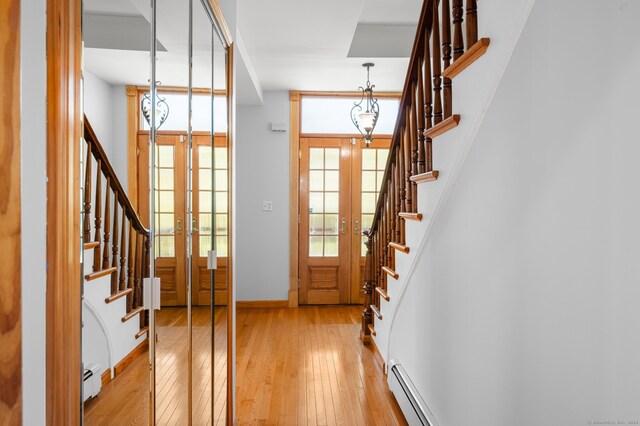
324	196
164	201
374	161
221	207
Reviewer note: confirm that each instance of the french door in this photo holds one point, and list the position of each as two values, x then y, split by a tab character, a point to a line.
339	184
209	179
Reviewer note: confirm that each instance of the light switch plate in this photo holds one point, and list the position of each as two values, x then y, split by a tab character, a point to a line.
267	206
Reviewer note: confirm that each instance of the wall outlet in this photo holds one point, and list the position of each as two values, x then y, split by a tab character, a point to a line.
267	206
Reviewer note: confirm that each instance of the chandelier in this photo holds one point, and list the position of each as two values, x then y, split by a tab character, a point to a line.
365	121
161	109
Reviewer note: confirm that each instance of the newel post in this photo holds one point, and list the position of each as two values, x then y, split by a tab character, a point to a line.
367	313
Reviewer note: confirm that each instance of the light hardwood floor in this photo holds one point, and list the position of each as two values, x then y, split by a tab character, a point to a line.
300	366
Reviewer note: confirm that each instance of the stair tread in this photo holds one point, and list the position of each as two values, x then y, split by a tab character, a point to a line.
411	216
142	331
425	177
132	314
118	295
99	274
399	247
376	311
467	58
383	294
443	126
90	245
393	274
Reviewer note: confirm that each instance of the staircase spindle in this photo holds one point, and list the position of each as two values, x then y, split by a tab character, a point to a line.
420	118
446	57
114	249
413	142
367	288
399	157
131	258
458	41
399	231
437	57
136	271
107	225
472	23
407	161
97	217
123	251
86	224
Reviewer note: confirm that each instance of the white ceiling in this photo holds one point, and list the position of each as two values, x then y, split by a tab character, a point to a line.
304	44
281	44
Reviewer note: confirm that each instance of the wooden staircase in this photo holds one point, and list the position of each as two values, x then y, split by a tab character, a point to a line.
445	45
116	249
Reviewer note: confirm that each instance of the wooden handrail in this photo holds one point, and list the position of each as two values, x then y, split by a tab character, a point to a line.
425	112
121	246
98	153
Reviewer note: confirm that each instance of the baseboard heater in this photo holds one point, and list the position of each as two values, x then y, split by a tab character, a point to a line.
411	404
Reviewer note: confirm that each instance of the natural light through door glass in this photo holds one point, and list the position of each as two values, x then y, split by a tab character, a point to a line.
324	200
374	161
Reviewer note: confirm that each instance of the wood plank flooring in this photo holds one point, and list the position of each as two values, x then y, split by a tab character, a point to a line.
307	366
301	366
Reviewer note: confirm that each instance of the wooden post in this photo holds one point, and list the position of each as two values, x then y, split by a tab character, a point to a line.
368	285
132	256
420	114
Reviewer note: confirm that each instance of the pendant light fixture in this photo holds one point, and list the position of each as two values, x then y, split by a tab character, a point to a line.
364	113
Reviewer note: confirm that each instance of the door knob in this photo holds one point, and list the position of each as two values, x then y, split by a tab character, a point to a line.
193	224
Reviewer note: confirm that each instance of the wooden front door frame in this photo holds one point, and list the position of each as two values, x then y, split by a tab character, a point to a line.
64	132
295	97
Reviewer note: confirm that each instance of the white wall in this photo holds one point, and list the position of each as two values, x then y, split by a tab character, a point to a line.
262	171
33	76
526	312
98	107
119	133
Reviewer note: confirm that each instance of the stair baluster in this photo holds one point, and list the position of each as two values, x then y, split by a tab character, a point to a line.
368	289
114	249
131	258
86	224
437	80
472	23
107	225
420	116
407	161
446	57
458	41
98	217
123	254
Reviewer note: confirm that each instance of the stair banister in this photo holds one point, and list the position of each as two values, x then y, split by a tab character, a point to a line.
440	51
121	246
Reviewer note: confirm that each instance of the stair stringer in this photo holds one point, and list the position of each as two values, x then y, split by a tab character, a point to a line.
120	336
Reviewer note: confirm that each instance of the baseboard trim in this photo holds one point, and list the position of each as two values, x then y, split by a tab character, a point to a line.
262	304
105	377
139	350
377	356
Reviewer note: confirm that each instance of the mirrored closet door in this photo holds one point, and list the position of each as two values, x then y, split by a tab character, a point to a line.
159	132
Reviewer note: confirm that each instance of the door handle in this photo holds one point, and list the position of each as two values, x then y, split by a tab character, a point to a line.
193	224
179	226
344	225
357	227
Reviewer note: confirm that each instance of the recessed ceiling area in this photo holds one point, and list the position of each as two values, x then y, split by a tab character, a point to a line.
321	45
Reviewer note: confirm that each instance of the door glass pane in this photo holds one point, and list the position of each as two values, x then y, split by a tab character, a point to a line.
324	201
374	162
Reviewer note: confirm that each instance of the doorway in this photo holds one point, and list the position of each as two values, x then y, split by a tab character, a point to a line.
209	179
340	181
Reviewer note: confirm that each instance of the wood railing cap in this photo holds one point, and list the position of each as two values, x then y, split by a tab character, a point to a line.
98	152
